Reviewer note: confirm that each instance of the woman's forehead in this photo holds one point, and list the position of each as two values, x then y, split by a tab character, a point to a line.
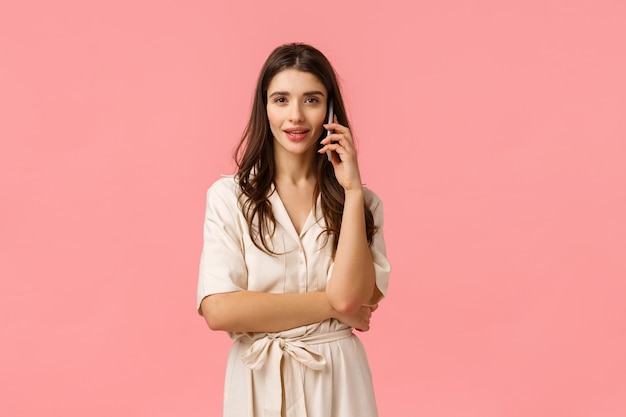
295	82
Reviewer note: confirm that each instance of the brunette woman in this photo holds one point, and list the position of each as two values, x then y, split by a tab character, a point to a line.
294	257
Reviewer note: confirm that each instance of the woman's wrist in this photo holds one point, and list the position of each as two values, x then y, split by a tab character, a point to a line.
353	193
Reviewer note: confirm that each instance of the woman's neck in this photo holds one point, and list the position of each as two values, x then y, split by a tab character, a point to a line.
294	169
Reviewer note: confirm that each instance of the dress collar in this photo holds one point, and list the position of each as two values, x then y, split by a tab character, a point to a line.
283	219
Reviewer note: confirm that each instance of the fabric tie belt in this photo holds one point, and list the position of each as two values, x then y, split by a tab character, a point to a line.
270	350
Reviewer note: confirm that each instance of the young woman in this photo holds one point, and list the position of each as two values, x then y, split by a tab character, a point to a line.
294	257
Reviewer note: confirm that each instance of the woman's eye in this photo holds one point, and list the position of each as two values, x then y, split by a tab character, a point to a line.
312	100
280	100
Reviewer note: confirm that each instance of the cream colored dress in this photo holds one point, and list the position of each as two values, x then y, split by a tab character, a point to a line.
319	370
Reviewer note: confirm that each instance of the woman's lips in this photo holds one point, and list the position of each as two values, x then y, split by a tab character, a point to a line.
296	133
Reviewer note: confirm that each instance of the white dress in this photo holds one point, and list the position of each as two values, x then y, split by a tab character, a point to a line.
318	370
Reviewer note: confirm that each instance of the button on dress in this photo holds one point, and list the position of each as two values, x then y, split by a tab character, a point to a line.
318	370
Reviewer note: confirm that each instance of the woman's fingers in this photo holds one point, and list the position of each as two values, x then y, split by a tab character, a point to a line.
367	316
344	155
362	319
337	138
339	143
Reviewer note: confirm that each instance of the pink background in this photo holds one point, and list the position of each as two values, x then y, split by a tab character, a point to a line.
494	132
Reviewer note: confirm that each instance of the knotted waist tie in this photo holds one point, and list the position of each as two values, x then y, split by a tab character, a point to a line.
270	350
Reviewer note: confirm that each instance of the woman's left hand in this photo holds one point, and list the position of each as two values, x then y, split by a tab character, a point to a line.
344	157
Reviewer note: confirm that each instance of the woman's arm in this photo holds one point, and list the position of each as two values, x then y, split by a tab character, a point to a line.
249	311
353	280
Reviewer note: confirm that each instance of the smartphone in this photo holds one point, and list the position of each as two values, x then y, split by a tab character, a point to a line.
331	115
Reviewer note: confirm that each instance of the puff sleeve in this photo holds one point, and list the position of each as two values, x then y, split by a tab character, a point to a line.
382	267
222	263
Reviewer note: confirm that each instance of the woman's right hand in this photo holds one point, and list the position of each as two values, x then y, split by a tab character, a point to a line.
360	319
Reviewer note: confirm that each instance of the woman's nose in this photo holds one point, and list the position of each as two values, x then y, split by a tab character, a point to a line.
295	113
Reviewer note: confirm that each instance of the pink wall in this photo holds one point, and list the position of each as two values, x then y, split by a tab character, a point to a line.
494	132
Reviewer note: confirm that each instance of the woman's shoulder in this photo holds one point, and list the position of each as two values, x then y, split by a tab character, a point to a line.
226	187
225	181
371	198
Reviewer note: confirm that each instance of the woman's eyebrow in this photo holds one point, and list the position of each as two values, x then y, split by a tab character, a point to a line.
314	93
306	93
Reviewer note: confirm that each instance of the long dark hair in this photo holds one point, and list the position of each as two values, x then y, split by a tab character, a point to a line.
254	154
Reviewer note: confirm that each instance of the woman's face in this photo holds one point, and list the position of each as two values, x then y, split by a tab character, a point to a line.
296	109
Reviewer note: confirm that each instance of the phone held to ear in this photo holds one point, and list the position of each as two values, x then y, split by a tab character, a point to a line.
331	114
